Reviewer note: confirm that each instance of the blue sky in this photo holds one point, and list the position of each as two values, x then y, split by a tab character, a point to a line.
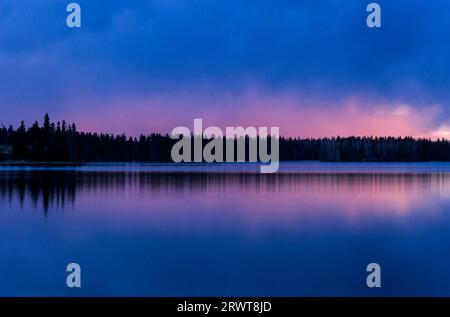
311	67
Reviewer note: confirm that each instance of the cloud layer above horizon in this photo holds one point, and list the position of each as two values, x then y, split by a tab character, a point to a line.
311	67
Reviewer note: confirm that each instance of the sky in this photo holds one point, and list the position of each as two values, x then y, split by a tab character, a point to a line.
312	67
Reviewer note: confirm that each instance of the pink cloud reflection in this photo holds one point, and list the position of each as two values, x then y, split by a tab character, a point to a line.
254	205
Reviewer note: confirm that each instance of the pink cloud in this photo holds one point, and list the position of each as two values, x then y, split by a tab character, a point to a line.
294	114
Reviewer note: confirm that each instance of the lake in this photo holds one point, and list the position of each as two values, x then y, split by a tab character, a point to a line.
225	230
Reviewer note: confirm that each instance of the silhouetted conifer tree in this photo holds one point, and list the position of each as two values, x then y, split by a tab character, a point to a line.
61	142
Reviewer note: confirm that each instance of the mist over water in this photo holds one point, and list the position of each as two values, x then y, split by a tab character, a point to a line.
161	231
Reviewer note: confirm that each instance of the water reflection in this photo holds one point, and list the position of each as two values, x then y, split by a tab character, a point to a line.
223	234
56	189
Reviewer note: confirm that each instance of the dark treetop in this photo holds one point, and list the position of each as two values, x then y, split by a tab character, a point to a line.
61	142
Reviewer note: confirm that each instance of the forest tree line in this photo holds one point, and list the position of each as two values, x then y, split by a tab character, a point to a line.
62	142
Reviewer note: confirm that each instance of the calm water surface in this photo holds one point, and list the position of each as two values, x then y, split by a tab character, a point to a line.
165	230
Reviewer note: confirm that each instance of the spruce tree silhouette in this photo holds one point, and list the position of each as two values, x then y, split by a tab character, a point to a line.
62	142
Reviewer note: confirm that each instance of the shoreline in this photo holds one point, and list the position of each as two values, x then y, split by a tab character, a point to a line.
62	163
